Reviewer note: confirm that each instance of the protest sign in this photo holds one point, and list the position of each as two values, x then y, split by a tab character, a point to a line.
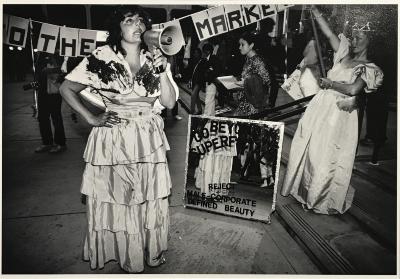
233	166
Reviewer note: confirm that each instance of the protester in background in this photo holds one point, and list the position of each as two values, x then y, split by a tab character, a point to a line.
204	71
68	65
255	76
266	172
126	178
377	103
324	146
194	59
49	104
174	112
267	52
248	153
279	55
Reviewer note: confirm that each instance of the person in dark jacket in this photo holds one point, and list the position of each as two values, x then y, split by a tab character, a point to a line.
50	78
204	72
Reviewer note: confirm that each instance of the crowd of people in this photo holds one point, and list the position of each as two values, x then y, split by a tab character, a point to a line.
126	179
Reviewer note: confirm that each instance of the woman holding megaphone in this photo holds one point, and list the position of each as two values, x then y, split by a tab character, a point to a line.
126	179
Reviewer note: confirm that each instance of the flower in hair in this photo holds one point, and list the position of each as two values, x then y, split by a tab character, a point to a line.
364	28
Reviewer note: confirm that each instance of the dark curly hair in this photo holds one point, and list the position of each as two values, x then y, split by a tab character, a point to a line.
114	29
251	37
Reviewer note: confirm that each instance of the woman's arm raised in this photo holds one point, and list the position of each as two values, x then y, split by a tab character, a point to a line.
333	39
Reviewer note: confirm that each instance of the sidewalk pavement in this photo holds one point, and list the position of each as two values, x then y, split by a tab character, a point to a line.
44	218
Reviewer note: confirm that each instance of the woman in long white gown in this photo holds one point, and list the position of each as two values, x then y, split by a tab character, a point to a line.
324	146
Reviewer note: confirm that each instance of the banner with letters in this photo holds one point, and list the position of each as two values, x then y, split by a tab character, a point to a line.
81	42
218	20
71	41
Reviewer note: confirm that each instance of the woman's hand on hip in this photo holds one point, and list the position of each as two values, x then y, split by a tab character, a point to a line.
106	119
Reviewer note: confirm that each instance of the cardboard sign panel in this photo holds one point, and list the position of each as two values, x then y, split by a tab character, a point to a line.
233	166
251	13
69	41
48	38
202	25
267	10
218	20
210	23
17	31
86	42
234	16
5	27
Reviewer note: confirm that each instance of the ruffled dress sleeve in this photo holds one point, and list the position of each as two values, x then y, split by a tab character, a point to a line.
81	74
343	49
371	74
103	70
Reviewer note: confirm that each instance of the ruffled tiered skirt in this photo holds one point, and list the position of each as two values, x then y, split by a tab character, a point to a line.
127	183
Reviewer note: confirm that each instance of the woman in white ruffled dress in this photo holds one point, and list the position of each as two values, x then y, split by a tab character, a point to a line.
324	146
126	179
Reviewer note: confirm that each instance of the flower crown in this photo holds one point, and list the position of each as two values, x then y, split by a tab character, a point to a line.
364	28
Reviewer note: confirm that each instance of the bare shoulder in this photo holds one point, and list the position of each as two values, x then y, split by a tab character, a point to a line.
349	62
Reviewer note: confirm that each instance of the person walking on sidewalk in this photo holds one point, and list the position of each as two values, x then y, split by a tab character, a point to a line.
126	179
49	104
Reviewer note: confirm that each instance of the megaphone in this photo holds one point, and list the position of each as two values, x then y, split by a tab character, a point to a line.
168	39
